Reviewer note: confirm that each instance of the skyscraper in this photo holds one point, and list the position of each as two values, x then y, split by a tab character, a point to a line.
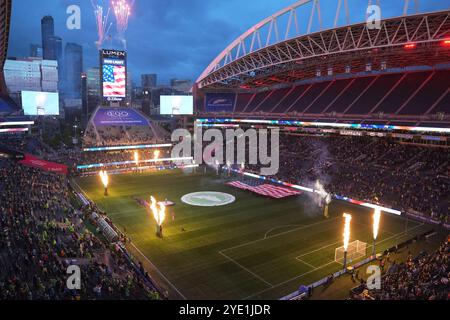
32	74
54	49
36	51
73	70
148	81
56	53
91	98
48	31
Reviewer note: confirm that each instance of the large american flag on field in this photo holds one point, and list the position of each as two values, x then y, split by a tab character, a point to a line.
114	81
267	190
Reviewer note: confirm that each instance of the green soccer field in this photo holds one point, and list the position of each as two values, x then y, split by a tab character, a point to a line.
254	248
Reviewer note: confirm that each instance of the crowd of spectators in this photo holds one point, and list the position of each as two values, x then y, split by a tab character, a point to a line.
42	235
425	277
409	177
122	135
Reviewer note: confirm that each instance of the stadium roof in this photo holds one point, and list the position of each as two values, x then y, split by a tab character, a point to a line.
296	42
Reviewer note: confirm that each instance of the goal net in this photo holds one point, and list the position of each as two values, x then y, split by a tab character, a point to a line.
356	250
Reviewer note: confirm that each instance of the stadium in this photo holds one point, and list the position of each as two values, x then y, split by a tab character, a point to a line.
356	107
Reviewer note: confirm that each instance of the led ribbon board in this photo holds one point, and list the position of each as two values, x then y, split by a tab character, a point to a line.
118	148
357	126
100	165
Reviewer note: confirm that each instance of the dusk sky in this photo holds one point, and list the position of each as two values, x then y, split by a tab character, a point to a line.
172	38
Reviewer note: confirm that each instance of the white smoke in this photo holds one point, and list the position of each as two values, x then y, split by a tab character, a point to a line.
323	194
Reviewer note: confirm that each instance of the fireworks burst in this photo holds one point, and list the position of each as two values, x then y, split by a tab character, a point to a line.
103	27
122	12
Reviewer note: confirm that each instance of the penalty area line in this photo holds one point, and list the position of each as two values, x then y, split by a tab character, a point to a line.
246	269
287	281
305	263
279	234
282	227
398	235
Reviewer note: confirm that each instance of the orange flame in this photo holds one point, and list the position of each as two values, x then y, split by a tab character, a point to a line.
348	219
104	177
376	223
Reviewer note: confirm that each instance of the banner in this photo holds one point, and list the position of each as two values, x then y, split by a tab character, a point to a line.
220	102
35	162
120	117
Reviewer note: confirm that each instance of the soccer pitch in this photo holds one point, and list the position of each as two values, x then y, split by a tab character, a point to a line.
253	248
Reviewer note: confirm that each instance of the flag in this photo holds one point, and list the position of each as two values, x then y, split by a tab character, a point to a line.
114	81
267	190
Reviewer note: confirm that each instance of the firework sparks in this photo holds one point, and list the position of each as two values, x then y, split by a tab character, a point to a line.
122	12
103	27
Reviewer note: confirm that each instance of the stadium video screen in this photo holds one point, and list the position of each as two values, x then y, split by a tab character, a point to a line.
114	75
36	103
177	105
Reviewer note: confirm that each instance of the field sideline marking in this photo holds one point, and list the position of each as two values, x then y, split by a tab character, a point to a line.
140	252
244	268
159	272
324	265
278	234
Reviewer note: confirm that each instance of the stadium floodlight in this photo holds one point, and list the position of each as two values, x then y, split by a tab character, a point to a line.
105	180
376	226
348	219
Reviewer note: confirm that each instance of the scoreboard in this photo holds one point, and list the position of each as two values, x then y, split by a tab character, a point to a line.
113	75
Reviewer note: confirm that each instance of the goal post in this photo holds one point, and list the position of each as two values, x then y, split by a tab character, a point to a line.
356	250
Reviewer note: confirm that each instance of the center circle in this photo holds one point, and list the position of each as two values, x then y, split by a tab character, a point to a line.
208	199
